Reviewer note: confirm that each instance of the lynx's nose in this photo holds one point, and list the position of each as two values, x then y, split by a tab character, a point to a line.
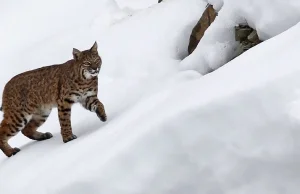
96	70
92	70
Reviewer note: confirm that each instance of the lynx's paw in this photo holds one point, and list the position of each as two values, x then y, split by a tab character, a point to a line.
45	136
12	152
72	137
16	150
102	116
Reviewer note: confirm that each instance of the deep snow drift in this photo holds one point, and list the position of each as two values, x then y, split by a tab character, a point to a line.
168	131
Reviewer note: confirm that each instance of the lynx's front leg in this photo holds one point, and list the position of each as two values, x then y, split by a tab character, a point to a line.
64	114
92	103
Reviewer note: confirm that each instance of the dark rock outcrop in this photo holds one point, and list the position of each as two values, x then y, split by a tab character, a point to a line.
205	21
247	37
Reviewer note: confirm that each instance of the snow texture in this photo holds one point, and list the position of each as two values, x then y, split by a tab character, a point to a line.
170	130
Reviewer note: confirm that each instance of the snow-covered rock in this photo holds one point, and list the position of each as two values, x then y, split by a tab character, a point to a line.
218	46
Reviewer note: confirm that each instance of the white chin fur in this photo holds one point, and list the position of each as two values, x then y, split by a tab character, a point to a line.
89	75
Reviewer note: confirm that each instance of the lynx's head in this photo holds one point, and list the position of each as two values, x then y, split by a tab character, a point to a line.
89	61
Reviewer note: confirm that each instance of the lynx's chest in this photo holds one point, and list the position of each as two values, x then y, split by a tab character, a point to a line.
81	95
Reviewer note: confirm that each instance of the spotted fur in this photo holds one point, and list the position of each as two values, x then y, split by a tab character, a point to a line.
29	97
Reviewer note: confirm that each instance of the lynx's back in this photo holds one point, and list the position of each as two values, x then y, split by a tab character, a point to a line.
31	88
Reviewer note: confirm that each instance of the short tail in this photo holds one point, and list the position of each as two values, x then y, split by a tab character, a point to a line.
0	108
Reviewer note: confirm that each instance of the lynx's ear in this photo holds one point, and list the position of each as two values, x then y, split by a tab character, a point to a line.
76	54
94	47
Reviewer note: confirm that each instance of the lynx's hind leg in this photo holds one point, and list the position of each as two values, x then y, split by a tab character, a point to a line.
9	127
37	120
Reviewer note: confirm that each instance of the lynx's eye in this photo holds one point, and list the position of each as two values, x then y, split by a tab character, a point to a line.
86	64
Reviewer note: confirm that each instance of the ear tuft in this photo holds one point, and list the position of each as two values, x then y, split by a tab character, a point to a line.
94	47
76	54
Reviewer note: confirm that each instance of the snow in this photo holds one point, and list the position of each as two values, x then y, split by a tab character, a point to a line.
169	129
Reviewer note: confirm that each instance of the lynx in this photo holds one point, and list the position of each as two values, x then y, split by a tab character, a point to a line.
29	97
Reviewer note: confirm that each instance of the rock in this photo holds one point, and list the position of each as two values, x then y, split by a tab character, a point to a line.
247	37
205	21
253	37
241	33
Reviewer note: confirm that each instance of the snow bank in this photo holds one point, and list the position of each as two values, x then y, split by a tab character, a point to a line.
217	47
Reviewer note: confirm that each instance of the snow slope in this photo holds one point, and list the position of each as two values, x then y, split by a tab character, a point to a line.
169	131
